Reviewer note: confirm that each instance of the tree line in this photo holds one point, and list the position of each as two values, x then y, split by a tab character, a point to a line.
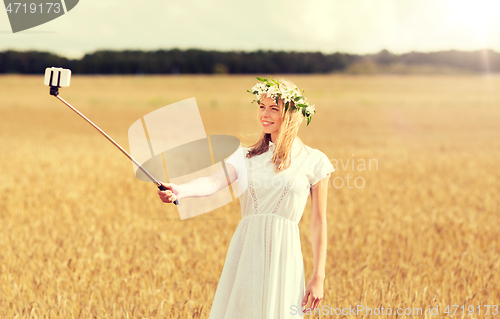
195	61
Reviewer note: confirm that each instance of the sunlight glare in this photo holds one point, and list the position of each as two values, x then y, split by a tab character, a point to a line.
474	16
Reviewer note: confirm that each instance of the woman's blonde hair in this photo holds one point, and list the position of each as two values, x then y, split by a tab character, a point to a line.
290	122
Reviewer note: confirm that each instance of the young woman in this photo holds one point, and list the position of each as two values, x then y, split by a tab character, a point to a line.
263	275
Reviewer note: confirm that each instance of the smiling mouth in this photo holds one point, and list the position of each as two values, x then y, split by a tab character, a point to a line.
267	123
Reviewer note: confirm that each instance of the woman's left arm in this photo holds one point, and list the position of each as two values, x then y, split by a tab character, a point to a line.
319	192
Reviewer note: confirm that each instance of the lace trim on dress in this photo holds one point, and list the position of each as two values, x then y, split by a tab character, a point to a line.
285	191
250	186
288	185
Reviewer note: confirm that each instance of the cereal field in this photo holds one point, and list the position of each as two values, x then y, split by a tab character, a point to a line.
413	224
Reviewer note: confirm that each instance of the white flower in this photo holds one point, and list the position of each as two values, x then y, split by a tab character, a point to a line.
259	87
273	90
287	97
310	109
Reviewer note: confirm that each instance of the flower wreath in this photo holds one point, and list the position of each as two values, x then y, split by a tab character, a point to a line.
274	90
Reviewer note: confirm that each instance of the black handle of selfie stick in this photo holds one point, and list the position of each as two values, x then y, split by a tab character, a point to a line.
54	91
163	188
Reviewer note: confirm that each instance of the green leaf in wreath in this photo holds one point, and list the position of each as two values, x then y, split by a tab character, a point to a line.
261	79
308	120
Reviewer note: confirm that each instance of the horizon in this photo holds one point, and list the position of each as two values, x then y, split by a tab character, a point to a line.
245	51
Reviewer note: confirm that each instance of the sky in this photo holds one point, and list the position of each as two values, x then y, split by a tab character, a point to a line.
328	26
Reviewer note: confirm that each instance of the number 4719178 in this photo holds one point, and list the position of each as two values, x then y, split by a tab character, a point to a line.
471	309
33	8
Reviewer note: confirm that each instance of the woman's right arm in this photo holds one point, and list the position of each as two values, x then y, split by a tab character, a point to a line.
200	187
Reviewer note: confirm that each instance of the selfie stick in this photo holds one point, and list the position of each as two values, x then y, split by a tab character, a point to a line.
53	78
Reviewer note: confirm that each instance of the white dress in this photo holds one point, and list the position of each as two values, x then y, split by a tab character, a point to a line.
263	275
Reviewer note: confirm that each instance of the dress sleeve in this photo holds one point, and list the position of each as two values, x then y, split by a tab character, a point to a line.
321	168
237	160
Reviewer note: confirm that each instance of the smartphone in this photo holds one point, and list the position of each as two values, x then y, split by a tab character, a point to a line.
57	77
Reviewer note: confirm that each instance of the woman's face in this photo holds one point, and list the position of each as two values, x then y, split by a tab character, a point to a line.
269	116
